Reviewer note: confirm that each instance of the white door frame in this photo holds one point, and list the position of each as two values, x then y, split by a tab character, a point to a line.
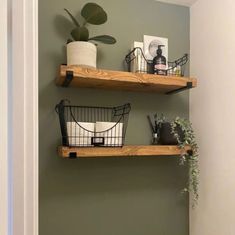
25	116
3	119
19	117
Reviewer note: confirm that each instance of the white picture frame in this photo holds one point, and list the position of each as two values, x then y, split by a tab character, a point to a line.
151	45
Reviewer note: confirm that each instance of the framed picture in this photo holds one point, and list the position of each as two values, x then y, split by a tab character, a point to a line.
151	44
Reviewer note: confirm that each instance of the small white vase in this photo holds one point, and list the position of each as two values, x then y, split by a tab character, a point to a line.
81	53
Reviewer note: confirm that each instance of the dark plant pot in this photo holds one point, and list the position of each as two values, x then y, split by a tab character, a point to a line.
166	135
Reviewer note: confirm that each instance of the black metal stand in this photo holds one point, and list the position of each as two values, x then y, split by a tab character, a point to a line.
188	86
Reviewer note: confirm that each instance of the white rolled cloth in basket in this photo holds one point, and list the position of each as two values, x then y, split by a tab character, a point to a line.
78	134
112	137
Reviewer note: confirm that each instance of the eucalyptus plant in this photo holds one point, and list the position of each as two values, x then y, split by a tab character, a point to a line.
191	157
91	13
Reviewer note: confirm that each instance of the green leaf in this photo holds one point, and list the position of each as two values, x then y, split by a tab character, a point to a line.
72	18
80	34
94	14
104	39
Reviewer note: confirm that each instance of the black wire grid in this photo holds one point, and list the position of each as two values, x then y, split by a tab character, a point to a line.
176	68
85	126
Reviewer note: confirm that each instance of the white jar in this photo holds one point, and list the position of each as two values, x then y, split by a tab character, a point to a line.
81	53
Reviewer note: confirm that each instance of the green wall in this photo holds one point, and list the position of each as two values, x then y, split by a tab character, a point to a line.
132	196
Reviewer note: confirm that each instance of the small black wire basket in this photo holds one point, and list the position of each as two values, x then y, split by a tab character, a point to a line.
86	126
137	63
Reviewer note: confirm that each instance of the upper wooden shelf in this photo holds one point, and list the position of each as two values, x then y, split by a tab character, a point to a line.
76	76
126	151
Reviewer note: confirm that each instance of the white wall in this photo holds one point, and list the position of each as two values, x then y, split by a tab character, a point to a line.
213	114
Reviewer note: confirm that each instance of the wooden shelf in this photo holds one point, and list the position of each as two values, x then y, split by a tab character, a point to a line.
76	76
126	151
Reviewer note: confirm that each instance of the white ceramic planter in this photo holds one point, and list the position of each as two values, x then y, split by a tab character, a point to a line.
81	53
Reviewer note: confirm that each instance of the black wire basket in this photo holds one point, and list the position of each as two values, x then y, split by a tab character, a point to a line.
85	126
137	63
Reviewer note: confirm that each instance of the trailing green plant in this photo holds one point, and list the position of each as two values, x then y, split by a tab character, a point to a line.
94	14
184	138
191	157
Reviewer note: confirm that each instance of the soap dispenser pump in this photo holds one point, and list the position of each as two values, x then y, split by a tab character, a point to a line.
159	62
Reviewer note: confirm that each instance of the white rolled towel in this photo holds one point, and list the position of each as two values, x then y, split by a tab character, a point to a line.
113	137
77	134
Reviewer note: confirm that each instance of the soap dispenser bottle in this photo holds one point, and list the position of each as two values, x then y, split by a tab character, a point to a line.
159	62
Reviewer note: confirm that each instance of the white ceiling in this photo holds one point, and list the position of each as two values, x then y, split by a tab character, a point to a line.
179	2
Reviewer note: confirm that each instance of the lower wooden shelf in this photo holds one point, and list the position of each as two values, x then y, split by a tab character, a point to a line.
126	151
